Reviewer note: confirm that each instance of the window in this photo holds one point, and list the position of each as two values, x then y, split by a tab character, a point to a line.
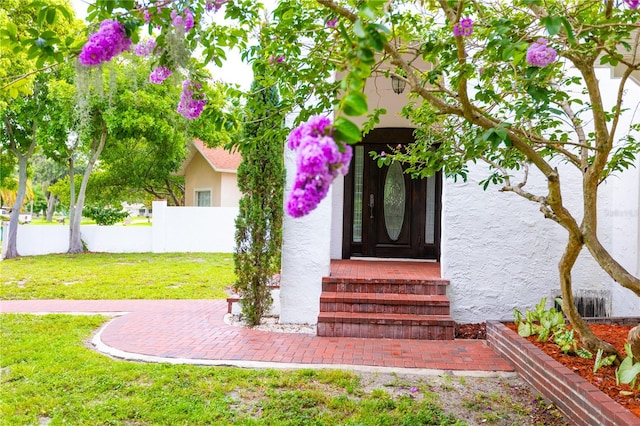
203	198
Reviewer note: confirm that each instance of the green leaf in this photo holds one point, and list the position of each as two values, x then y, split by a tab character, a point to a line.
628	372
41	60
346	131
366	55
552	24
359	30
366	12
41	16
524	329
65	12
568	30
51	15
355	103
12	29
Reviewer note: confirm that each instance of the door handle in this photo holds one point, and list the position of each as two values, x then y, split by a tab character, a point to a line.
371	204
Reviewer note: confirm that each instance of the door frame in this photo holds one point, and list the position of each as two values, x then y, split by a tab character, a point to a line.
384	136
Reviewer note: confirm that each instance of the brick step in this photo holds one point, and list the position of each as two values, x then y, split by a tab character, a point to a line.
416	304
386	286
380	325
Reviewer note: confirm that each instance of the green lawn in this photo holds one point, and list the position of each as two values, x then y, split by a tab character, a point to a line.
49	376
117	276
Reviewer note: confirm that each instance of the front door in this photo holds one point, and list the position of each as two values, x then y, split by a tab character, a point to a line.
387	213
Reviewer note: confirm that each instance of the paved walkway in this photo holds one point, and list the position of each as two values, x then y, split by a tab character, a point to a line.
194	332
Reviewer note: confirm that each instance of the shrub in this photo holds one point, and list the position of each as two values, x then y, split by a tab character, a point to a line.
104	215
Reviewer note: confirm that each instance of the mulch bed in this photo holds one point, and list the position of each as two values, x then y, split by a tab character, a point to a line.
604	379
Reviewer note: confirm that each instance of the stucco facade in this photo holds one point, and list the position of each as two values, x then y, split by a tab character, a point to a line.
497	249
212	171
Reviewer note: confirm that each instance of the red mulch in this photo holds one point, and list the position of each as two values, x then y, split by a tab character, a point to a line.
605	378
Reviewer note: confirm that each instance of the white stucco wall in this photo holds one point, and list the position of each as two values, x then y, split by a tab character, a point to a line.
305	260
174	229
623	208
500	253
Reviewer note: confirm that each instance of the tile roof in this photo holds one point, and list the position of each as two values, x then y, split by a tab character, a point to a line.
220	159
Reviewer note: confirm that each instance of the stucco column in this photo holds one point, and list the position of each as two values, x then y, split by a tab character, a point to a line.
305	258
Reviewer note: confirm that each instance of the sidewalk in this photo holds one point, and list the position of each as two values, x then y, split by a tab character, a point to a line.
194	332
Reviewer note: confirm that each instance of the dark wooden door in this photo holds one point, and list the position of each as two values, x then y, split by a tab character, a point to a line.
387	213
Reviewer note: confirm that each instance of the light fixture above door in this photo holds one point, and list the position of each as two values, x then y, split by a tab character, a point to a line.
398	84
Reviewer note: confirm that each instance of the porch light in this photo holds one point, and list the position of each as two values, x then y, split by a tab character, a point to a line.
397	84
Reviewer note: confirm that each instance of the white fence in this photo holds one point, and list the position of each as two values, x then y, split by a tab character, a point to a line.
173	229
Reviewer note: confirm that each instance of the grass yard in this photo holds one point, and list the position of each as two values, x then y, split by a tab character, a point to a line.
49	376
117	276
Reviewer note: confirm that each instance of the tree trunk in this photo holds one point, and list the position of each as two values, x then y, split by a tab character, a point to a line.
75	240
568	260
610	265
52	201
172	194
12	237
634	342
72	195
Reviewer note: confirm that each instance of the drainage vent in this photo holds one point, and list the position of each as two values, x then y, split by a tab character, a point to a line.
591	303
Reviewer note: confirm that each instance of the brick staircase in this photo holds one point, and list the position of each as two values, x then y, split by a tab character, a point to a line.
398	308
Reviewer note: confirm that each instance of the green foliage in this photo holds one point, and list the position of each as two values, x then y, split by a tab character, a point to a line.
601	361
628	371
105	216
549	324
34	34
118	276
541	321
259	222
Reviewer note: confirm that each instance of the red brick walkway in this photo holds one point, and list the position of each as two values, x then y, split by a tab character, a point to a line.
193	331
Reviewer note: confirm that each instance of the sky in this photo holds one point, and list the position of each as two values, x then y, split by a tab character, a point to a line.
234	70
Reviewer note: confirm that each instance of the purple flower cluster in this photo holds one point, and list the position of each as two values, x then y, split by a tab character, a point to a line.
332	23
192	100
319	161
144	48
159	74
214	5
633	4
541	55
277	59
110	40
187	21
464	28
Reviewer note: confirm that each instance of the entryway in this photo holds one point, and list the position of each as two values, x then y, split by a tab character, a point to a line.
387	213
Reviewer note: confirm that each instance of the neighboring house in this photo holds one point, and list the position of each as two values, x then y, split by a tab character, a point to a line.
136	209
210	176
496	249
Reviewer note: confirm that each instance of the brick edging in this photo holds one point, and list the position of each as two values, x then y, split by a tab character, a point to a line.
579	401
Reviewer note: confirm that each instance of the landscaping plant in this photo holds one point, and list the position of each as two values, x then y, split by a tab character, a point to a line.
549	324
628	371
105	215
261	181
